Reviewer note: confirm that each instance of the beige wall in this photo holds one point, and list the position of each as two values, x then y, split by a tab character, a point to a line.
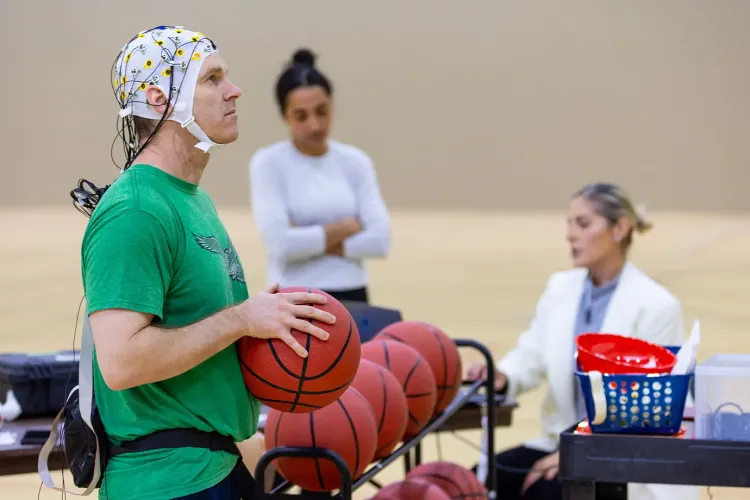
474	104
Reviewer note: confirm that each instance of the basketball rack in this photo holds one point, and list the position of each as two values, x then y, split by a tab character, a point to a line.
349	484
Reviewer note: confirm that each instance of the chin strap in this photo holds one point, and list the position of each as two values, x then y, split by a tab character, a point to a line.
204	143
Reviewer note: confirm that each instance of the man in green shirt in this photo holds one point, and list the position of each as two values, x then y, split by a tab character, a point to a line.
165	287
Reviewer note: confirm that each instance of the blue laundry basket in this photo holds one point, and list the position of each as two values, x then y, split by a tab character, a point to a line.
637	403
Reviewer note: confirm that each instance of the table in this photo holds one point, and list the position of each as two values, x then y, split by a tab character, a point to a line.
17	459
599	466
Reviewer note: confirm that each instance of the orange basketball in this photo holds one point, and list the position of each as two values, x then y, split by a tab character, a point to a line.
458	482
414	374
411	489
384	393
438	349
284	381
346	427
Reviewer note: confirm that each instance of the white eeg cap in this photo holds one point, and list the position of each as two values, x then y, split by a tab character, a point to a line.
162	56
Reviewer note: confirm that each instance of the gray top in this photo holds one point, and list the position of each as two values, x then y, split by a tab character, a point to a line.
591	312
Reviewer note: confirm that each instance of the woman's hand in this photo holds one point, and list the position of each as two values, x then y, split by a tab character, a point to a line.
478	371
337	232
545	467
337	249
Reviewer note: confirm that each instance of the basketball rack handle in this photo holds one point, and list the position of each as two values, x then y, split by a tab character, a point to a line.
489	411
302	452
346	480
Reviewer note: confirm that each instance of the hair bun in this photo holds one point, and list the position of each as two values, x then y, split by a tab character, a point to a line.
304	57
642	223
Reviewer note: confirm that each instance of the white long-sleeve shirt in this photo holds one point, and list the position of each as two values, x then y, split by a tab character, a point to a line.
294	195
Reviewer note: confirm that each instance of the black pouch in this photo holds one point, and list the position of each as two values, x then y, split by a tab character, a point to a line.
80	443
79	429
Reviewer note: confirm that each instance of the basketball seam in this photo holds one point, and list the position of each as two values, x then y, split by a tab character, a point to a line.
386	355
354	433
276	443
385	400
317	465
419	395
278	359
444	356
457	378
267	400
411	372
392	337
298	394
340	355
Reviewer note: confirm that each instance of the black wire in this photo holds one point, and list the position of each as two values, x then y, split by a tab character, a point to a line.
86	196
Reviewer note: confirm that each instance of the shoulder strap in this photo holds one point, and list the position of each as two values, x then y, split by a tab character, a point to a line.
85	390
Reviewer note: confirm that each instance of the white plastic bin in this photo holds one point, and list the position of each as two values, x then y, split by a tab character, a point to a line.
722	398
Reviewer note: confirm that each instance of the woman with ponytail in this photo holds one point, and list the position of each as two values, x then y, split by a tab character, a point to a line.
315	200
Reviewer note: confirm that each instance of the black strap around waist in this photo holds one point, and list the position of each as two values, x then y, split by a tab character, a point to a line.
177	438
192	438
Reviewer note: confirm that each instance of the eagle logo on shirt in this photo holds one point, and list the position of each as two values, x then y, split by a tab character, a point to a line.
231	259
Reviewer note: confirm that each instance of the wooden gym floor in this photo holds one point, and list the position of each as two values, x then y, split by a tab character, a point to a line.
475	275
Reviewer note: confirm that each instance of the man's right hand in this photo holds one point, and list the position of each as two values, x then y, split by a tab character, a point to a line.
272	315
478	371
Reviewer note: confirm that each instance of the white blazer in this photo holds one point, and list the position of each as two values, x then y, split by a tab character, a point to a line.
640	307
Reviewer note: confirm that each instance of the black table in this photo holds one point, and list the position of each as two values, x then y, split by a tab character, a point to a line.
20	459
599	466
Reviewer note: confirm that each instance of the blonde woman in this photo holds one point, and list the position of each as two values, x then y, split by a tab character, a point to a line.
604	292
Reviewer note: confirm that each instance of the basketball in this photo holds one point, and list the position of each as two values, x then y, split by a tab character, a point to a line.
438	349
284	381
458	482
414	375
386	396
411	489
346	427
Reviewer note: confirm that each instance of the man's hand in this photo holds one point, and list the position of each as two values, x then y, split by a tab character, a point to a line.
272	315
545	467
478	371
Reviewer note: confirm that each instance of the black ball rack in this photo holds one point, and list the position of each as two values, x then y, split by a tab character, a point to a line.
349	484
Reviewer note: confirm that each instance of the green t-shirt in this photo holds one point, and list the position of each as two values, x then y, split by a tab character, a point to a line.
155	244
